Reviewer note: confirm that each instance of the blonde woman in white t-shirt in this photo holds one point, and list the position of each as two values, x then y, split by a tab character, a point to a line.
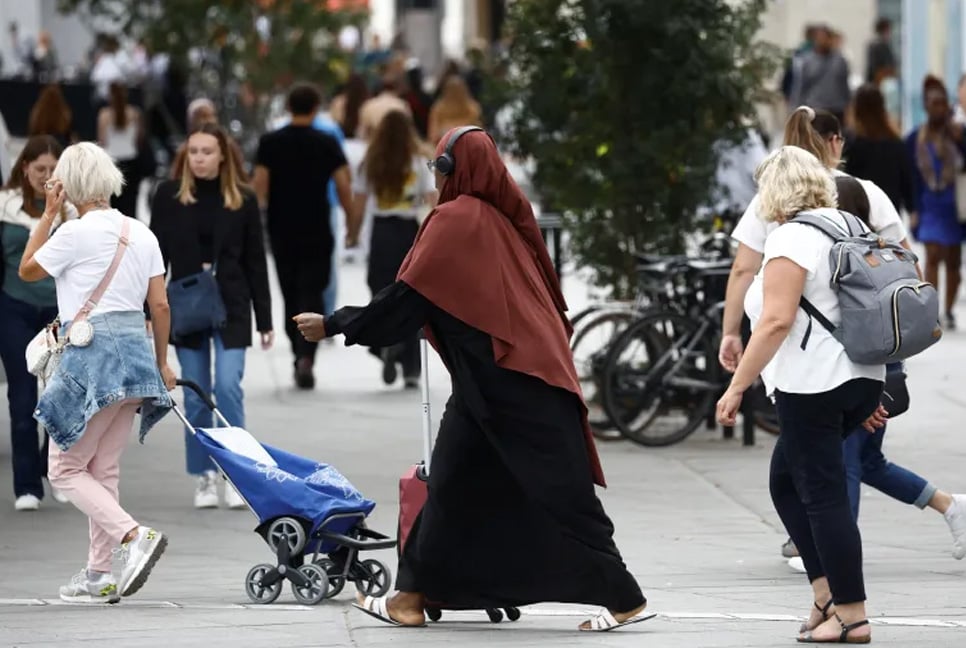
107	374
820	394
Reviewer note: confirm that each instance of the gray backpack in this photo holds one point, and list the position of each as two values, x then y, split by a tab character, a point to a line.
888	313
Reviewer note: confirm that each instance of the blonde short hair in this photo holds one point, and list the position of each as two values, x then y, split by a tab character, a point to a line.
792	180
88	174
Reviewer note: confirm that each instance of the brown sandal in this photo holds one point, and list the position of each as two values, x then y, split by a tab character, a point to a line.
843	638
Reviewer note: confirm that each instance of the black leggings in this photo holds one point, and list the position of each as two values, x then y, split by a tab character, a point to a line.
808	485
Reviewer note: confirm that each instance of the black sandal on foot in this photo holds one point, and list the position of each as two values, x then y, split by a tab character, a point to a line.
823	611
843	638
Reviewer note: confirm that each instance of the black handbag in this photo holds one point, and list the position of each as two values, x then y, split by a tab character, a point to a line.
895	394
196	304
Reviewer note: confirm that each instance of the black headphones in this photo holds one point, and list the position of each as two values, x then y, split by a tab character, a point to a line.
445	163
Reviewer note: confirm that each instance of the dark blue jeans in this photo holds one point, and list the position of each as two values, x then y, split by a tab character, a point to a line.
19	323
865	463
807	481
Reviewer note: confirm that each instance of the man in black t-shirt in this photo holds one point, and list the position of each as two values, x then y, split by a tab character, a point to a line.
292	172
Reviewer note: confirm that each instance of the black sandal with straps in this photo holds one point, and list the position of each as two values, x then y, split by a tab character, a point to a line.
843	638
824	613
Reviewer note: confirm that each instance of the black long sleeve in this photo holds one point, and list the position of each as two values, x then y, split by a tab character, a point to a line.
395	313
256	267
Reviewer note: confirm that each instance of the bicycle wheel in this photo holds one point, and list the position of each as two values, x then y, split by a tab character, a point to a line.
659	379
589	347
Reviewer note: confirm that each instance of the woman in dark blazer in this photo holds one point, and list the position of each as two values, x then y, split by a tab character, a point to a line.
206	219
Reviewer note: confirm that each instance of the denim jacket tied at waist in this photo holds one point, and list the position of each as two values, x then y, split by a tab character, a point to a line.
117	365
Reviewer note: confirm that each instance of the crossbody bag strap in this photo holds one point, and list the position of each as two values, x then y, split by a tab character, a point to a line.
95	297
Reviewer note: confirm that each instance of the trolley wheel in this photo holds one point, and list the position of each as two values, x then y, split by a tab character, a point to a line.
377	578
434	614
313	592
257	592
512	613
334	574
496	616
289	530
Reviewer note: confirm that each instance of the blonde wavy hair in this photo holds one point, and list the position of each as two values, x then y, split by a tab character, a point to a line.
792	180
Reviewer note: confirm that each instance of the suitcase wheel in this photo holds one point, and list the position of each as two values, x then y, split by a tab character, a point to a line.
512	613
495	615
434	614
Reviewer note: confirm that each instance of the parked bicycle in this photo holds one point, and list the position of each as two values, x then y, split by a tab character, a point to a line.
661	374
671	331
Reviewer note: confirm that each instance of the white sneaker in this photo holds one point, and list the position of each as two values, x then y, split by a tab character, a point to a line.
84	589
206	495
956	519
27	503
797	564
57	495
232	499
138	557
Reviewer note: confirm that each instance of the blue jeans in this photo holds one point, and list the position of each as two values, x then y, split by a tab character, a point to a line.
19	323
864	462
331	293
228	394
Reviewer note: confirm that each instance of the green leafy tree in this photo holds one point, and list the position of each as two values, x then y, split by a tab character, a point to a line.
621	104
256	46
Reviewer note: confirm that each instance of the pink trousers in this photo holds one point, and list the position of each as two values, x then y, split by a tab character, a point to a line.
88	474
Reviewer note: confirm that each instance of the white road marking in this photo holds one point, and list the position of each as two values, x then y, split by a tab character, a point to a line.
537	611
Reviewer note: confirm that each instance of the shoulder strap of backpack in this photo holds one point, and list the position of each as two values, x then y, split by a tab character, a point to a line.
823	225
836	234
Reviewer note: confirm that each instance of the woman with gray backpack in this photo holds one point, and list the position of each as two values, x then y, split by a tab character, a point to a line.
824	380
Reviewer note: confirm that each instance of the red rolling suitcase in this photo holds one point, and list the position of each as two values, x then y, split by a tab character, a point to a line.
412	492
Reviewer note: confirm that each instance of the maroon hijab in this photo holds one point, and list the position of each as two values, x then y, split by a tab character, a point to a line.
480	257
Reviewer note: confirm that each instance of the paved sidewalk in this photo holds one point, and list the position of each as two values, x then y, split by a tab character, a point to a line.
694	522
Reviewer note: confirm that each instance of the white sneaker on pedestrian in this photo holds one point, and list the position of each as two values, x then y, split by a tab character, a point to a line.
232	499
956	519
206	494
797	564
137	557
57	495
27	503
84	589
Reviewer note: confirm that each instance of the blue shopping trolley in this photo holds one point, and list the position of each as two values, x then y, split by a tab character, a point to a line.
308	513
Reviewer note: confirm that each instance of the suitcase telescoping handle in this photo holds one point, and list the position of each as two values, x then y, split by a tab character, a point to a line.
205	398
427	418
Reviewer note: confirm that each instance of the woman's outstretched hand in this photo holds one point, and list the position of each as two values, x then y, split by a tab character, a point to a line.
728	406
311	326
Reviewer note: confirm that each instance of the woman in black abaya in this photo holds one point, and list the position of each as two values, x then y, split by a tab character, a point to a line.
512	517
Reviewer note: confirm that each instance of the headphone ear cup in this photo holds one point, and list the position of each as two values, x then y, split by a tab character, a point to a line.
444	164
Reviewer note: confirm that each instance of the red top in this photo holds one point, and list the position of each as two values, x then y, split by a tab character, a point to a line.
480	257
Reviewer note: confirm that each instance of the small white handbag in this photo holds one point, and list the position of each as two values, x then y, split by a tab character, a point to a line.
44	350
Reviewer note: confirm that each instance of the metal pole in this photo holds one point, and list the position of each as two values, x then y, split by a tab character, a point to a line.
427	418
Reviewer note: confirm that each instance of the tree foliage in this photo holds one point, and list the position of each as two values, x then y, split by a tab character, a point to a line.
263	44
621	103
